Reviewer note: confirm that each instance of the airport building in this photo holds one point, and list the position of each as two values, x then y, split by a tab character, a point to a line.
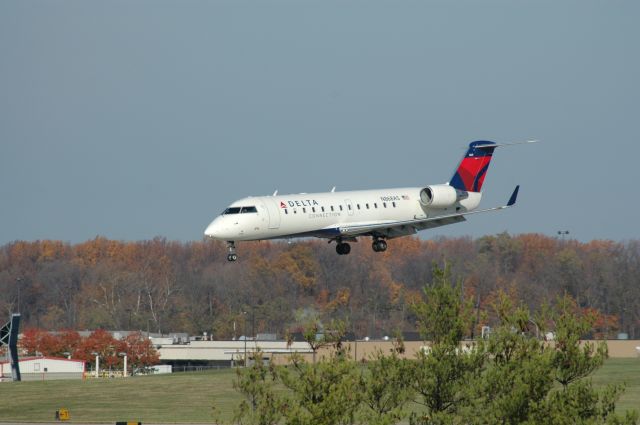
44	369
184	353
189	354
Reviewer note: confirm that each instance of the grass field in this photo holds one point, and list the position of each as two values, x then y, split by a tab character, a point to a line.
186	397
622	370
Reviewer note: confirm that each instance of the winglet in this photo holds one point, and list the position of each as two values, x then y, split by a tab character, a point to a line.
514	196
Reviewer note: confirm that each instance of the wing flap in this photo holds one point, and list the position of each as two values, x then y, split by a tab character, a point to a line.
397	229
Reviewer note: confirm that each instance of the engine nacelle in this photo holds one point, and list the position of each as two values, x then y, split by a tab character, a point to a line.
438	196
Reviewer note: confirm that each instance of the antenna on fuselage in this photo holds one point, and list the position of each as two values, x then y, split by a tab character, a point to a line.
275	193
333	189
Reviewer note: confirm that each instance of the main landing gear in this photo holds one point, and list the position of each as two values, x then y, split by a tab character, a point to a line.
231	248
343	248
379	245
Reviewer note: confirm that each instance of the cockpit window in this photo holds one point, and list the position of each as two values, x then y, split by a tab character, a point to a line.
240	210
231	210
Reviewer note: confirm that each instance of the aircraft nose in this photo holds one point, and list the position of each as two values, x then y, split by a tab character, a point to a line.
212	229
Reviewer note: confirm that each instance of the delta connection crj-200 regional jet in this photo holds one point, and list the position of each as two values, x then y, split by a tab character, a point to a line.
344	216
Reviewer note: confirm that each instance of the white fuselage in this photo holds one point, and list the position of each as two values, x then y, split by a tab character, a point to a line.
321	214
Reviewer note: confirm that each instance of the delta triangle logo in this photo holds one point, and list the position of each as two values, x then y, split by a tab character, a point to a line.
282	205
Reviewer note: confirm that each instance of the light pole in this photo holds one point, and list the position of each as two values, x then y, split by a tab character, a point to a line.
97	363
124	373
563	233
253	322
19	283
245	338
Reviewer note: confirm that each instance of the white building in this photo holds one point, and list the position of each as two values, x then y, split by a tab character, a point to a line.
44	368
222	352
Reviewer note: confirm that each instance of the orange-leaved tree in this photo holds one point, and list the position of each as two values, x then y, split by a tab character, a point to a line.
103	344
140	351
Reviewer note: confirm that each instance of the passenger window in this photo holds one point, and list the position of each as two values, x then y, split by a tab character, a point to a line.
358	206
384	204
304	210
285	211
313	209
394	204
322	208
349	206
367	206
295	211
340	207
375	205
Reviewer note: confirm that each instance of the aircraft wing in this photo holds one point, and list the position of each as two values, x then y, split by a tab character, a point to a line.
394	229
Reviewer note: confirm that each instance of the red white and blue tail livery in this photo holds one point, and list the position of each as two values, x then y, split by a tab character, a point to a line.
342	217
473	168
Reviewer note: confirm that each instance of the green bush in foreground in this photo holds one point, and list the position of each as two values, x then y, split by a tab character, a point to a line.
511	377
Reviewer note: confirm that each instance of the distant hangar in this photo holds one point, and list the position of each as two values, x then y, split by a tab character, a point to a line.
44	368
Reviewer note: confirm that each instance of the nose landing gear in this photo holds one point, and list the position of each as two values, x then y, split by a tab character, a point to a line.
231	248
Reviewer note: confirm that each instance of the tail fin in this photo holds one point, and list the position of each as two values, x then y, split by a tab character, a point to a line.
473	168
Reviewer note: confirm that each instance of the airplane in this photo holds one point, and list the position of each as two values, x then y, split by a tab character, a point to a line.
342	217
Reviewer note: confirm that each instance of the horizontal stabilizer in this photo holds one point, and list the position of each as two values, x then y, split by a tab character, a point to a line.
499	145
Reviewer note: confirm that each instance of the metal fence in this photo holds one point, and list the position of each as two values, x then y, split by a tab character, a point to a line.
186	368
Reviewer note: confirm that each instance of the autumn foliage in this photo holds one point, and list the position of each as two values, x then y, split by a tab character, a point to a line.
139	349
166	286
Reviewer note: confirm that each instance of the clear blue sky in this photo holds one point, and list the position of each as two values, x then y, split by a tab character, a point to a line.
135	119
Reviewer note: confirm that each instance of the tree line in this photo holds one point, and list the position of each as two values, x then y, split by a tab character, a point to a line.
166	286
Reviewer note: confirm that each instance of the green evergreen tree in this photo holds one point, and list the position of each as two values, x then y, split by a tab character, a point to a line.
516	374
385	388
322	393
442	371
512	377
576	401
262	404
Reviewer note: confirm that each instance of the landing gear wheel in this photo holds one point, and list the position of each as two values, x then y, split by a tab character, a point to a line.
343	248
231	247
379	245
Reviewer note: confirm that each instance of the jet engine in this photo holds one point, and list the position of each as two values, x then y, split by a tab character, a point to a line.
438	196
